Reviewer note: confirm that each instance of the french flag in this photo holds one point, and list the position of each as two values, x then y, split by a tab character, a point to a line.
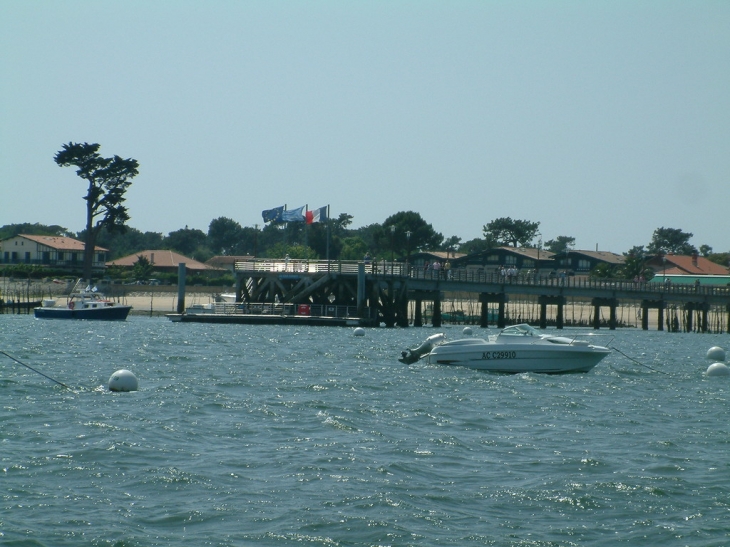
316	215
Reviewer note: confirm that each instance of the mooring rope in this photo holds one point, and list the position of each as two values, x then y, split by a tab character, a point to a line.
636	361
34	370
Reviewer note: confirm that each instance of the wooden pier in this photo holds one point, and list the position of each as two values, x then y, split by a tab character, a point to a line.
384	292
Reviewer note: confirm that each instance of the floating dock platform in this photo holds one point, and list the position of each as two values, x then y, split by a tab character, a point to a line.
269	314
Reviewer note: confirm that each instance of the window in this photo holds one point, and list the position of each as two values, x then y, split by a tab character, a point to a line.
493	259
584	265
510	259
27	257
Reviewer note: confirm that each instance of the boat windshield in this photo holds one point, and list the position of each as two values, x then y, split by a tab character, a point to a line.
520	330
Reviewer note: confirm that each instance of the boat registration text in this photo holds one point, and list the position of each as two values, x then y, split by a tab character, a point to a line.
492	355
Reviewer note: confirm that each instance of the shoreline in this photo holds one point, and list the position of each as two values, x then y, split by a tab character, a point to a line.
158	301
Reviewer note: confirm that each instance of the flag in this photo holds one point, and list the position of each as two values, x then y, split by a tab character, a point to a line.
273	215
293	215
317	215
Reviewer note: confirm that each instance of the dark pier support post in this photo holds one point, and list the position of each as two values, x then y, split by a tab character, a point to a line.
484	311
543	313
436	319
501	321
644	315
545	300
612	316
389	306
596	315
727	322
484	315
418	318
361	289
660	318
485	299
689	308
181	287
705	311
612	304
401	308
374	302
560	318
239	290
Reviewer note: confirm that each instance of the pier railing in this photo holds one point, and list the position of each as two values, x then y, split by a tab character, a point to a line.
295	266
479	276
306	310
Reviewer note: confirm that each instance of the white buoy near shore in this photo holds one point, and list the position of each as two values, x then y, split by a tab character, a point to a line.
716	353
123	380
718	369
359	331
467	331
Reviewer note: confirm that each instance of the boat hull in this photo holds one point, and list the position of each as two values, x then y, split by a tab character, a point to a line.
108	313
517	358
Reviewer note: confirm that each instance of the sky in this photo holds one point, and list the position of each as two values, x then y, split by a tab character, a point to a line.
601	120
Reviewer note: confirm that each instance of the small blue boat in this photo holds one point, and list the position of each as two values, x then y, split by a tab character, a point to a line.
86	304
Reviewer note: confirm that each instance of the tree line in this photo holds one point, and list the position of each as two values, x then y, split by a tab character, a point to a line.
398	236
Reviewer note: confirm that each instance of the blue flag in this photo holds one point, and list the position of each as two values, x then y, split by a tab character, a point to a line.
273	215
293	215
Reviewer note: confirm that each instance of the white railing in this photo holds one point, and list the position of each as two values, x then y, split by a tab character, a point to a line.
259	308
295	266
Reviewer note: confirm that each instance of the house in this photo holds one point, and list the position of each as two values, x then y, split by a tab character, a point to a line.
419	260
163	261
670	264
521	258
52	251
688	270
582	262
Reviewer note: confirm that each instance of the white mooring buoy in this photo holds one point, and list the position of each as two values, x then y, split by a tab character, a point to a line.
123	380
359	331
466	331
716	353
718	369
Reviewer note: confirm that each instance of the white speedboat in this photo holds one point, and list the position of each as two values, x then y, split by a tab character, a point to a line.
518	348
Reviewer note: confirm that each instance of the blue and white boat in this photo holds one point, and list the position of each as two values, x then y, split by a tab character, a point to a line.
85	304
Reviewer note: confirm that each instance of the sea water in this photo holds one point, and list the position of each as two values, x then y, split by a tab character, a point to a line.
277	435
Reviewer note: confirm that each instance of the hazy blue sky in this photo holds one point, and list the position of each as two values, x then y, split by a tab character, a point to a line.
601	120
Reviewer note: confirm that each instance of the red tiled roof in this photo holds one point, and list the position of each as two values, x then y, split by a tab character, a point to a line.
161	259
694	265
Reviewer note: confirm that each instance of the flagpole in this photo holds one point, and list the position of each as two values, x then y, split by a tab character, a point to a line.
328	237
306	230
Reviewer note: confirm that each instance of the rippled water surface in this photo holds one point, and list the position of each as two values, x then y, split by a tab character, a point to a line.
257	435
